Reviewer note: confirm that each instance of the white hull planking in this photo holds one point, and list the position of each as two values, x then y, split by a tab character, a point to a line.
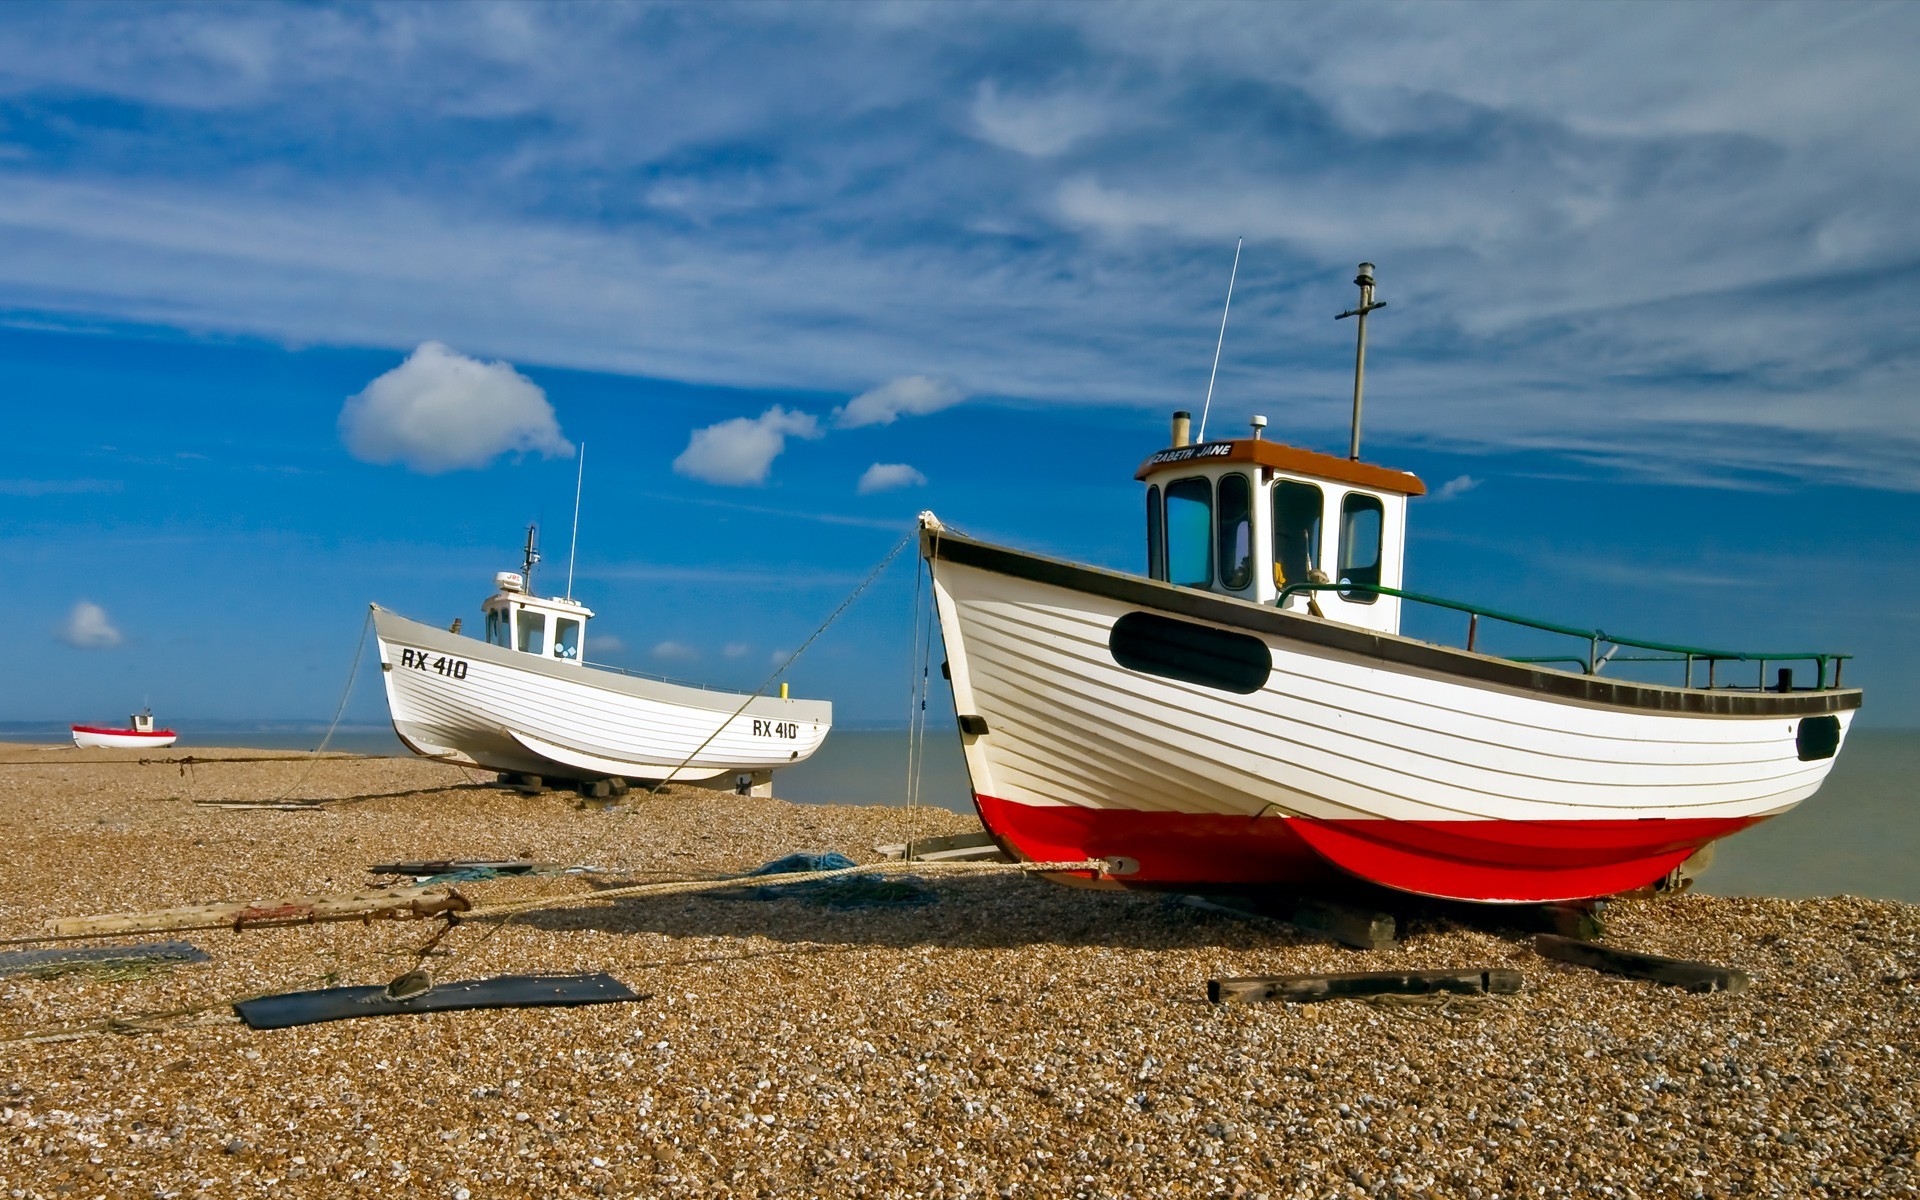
515	712
1330	736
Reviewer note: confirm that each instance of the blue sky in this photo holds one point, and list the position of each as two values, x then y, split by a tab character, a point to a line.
306	306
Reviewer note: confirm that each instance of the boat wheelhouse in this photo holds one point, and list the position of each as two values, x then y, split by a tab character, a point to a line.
1248	712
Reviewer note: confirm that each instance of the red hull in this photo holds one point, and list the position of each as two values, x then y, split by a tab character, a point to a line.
1509	861
132	733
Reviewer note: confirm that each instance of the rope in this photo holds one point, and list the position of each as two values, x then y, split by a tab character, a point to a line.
695	753
512	908
353	673
144	1022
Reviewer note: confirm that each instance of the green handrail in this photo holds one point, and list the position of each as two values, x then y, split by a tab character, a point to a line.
1593	637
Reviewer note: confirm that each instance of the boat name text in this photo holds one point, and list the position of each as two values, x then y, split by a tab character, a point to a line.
420	660
779	729
1184	453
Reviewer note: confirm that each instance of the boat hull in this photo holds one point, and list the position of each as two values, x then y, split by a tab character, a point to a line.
91	737
463	700
1326	753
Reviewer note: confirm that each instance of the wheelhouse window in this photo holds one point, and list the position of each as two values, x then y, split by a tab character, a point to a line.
1236	532
1190	532
532	632
1156	535
496	628
1361	520
1297	509
566	638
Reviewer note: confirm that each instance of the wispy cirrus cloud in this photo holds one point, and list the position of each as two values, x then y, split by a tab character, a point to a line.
1588	230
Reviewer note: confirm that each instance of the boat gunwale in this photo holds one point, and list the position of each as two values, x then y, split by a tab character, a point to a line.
940	543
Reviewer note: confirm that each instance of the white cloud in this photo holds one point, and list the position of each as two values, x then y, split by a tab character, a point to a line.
56	487
740	452
1037	126
736	649
671	651
87	628
778	657
608	643
883	477
441	411
1459	485
907	396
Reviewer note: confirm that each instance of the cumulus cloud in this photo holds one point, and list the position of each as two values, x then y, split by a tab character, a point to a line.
1459	485
87	628
736	649
740	452
442	411
778	657
608	643
671	651
884	477
907	396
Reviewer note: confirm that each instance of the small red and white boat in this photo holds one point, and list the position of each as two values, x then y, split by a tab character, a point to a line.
140	735
1248	713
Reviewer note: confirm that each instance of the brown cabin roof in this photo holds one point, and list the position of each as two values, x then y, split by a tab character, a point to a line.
1283	457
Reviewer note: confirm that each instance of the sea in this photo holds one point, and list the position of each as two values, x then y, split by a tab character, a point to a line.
1858	836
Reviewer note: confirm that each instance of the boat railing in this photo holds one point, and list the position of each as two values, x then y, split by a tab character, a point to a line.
1595	658
652	675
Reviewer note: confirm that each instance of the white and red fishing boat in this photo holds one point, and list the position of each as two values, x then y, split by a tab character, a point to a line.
139	734
524	701
1248	713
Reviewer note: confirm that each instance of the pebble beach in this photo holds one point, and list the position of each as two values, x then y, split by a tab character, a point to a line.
992	1036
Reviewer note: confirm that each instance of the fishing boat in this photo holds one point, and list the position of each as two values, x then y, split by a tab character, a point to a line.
139	733
1248	713
524	701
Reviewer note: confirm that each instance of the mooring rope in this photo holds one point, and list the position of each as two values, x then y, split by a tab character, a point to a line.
510	908
615	827
145	1022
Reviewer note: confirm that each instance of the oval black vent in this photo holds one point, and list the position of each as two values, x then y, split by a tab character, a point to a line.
1817	737
1217	658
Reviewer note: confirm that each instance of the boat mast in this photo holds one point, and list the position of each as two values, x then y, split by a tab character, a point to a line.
1222	340
532	556
1367	305
573	547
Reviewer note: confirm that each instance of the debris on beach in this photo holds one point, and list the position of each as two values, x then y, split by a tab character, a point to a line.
854	892
502	991
388	904
99	962
1684	973
1364	985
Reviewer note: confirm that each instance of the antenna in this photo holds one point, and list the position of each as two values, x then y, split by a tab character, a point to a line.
1223	339
574	546
532	556
1367	305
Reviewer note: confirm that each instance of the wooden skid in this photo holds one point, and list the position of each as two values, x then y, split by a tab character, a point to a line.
385	904
1690	974
1303	989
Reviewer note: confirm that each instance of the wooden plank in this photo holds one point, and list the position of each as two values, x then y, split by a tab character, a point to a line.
385	904
1306	989
1690	974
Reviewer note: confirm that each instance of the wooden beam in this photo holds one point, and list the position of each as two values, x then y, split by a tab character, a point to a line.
386	904
1690	974
1305	989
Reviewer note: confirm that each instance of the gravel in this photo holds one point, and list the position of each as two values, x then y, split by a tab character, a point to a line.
1015	1038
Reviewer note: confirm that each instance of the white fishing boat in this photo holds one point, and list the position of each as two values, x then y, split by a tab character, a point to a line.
1248	713
525	701
139	734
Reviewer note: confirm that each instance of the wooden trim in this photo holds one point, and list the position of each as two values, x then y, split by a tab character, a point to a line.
1283	457
1386	648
